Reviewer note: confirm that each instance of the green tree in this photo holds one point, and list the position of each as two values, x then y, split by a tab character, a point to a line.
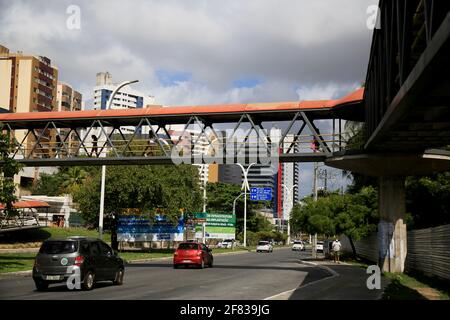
72	179
151	189
8	169
355	215
427	200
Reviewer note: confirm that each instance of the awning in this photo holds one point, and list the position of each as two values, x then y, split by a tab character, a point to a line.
27	204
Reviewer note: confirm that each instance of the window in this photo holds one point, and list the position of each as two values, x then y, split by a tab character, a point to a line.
106	250
95	250
58	247
188	246
84	247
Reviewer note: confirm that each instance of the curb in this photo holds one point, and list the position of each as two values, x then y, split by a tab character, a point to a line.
329	270
26	273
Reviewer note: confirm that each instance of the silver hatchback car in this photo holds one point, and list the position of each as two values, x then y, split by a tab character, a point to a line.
92	259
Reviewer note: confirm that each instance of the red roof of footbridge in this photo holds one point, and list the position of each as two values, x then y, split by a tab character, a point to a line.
345	105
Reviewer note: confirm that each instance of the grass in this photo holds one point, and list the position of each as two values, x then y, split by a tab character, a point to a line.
11	262
34	237
415	287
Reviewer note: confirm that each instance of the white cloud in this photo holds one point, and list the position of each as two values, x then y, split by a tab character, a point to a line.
320	47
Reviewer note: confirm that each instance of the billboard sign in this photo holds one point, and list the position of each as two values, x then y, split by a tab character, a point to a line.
137	228
217	226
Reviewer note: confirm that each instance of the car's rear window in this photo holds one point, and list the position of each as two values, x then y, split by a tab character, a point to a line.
263	243
59	247
188	246
297	242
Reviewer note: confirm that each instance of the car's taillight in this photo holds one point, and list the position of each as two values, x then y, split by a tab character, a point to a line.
199	253
176	253
79	260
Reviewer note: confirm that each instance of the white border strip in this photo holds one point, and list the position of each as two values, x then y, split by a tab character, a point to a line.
334	274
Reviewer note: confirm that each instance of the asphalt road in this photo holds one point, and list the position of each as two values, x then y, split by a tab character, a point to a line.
234	276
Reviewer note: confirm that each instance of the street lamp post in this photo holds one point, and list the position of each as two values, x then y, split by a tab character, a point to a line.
234	203
289	191
246	187
102	189
204	204
234	209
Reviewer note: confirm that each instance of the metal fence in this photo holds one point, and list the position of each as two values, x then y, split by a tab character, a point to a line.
428	250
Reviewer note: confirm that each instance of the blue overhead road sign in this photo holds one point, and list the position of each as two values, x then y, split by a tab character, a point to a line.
261	194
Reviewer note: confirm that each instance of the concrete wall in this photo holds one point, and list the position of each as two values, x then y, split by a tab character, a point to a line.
428	250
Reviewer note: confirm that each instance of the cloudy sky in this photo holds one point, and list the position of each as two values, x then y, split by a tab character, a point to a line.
199	51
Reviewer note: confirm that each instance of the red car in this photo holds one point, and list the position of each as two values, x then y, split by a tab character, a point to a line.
193	253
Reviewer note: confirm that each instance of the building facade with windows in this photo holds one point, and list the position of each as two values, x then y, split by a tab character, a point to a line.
125	98
28	83
68	99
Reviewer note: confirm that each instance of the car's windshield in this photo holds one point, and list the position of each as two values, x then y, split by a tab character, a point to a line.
297	242
59	247
188	246
263	243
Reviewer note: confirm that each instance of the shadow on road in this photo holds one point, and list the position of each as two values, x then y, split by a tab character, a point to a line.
62	287
239	267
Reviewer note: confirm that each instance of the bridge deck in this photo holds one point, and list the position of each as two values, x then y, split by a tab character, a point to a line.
349	107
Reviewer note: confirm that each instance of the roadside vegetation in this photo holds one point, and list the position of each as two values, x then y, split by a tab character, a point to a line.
415	287
354	215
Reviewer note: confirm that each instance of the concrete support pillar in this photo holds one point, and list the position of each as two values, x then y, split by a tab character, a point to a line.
392	228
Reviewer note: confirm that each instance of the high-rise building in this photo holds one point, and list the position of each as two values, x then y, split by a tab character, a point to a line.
125	98
68	99
28	84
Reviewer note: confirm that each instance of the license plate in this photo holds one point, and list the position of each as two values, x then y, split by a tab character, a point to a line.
53	277
187	261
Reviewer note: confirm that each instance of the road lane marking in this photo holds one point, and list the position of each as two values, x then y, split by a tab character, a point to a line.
334	274
281	294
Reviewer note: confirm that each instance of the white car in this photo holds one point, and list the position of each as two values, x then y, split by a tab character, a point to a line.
264	246
298	246
227	243
319	246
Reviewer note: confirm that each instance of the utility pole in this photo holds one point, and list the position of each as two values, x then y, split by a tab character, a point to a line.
289	193
102	188
314	244
204	203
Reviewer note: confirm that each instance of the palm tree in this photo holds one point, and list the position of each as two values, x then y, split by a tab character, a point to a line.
73	177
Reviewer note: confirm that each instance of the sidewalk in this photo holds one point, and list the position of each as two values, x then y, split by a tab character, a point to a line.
346	282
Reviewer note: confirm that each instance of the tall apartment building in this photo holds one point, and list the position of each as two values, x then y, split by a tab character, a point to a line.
68	99
28	84
126	98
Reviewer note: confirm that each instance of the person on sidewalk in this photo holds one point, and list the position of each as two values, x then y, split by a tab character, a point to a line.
336	246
